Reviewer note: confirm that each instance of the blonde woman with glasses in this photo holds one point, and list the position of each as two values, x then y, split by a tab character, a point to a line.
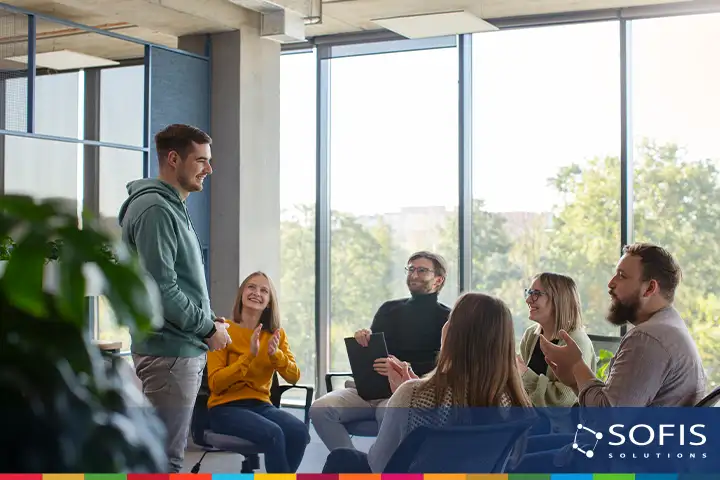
553	304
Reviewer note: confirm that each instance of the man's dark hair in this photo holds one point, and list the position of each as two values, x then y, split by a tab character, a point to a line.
439	264
659	265
179	138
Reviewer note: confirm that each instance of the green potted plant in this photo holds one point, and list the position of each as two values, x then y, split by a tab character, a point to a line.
63	408
604	357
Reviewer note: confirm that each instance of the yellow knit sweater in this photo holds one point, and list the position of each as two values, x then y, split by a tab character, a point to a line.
235	374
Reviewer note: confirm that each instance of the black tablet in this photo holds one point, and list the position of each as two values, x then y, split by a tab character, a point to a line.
370	384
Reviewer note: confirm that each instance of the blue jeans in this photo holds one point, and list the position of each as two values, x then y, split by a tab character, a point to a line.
282	438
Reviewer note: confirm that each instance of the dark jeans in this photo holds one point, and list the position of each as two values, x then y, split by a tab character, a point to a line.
347	460
281	436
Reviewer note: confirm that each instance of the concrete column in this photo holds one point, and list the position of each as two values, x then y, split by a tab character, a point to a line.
245	193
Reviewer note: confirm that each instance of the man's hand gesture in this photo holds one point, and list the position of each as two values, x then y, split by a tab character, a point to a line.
221	338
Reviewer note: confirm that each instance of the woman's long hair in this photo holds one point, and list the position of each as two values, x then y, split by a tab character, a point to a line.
565	300
270	318
477	359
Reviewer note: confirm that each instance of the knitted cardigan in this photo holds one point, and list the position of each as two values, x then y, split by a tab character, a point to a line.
545	390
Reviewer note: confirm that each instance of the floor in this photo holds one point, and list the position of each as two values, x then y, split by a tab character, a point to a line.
313	461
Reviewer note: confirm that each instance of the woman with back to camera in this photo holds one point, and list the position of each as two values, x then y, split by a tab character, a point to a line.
240	377
474	369
554	304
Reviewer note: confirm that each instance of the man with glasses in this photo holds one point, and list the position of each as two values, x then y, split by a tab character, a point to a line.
413	330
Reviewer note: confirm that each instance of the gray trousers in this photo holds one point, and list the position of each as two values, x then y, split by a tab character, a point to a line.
171	384
330	412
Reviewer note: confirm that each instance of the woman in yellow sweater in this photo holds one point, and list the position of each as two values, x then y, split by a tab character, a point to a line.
240	377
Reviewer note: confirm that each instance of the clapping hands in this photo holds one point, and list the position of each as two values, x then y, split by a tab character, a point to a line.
274	342
255	340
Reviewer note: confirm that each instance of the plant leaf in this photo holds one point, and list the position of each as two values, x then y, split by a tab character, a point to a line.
24	274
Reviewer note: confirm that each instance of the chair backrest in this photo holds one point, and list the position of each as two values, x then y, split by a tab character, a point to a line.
711	400
604	342
201	418
461	449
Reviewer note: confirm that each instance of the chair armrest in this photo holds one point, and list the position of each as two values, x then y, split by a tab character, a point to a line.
330	375
309	393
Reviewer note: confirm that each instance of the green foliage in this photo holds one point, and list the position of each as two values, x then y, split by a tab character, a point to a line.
604	357
362	265
6	246
63	408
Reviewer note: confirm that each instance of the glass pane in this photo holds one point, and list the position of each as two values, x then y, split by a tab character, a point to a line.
59	162
297	204
116	168
546	176
394	187
60	89
59	100
677	162
122	100
13	71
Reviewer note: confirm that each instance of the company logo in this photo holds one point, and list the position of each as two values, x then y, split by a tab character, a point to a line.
662	441
590	452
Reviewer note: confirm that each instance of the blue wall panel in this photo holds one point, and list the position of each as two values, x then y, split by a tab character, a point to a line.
180	94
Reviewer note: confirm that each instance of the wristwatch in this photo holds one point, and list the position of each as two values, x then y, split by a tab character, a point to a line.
212	332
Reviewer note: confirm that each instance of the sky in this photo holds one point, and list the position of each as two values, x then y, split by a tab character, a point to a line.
543	98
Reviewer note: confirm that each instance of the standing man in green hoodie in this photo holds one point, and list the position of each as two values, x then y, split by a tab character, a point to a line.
156	224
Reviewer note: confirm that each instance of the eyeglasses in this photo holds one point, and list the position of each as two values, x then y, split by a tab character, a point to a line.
534	294
418	270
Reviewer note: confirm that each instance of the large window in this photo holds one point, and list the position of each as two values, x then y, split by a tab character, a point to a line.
676	73
68	173
546	170
297	202
394	188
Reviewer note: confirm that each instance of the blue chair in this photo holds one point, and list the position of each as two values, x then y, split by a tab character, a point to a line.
461	449
360	428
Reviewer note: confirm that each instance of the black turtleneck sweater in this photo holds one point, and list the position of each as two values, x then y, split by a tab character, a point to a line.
413	329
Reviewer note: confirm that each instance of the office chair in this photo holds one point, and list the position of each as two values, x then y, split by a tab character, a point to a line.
359	428
203	435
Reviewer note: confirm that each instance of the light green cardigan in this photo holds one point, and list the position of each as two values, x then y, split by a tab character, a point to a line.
546	390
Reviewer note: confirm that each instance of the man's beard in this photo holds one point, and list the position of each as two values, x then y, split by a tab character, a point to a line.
420	288
619	312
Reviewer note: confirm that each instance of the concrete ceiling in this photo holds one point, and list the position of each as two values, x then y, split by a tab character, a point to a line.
162	21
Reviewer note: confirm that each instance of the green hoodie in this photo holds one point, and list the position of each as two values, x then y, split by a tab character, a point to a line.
156	224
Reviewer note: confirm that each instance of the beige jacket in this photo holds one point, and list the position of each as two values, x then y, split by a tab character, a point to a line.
546	390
